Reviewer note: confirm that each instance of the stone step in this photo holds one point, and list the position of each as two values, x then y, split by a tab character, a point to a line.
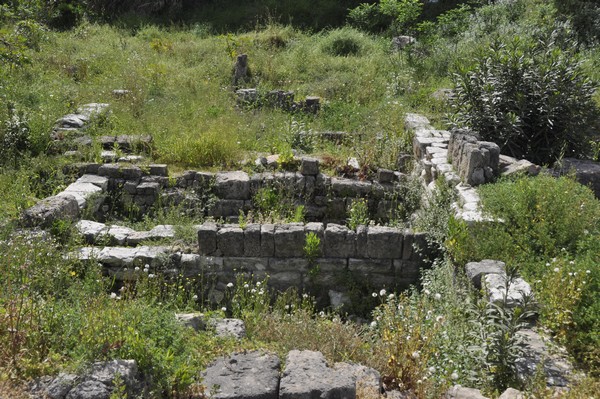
120	235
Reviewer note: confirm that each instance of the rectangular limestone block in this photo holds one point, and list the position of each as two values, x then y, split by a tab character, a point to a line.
245	264
317	228
384	242
233	185
288	264
230	240
332	265
267	243
252	240
340	242
407	247
289	240
207	239
371	266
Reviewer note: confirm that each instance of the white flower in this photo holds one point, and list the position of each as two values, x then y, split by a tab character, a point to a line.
382	292
416	355
572	262
287	307
137	268
151	275
587	272
439	318
146	270
258	283
246	286
373	324
252	291
391	296
261	292
438	296
426	292
124	269
113	295
432	369
305	296
229	285
195	297
224	309
454	375
374	295
146	266
556	269
547	263
122	289
322	314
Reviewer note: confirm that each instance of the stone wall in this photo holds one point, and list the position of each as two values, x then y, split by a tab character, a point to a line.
223	195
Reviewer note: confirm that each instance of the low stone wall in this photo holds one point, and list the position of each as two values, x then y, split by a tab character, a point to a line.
225	194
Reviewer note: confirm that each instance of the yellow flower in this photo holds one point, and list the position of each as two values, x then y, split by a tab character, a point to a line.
73	274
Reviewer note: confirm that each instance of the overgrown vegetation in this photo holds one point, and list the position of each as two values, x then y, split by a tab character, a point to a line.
526	73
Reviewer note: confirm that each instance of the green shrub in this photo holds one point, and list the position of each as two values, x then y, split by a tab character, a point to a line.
530	98
399	16
345	42
358	213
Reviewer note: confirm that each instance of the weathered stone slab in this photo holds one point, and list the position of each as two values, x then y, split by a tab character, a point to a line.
228	327
90	229
96	180
289	241
252	240
230	240
340	242
233	185
460	392
384	242
371	266
207	239
556	368
251	375
496	287
475	271
309	166
51	209
306	376
267	241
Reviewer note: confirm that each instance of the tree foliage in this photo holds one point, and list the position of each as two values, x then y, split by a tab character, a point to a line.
531	98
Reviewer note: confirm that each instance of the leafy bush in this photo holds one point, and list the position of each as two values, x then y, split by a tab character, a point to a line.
399	16
530	98
358	213
15	136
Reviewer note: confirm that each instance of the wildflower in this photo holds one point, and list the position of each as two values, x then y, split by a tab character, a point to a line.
113	295
572	262
258	283
556	269
137	268
438	296
382	292
439	318
432	369
229	285
246	286
287	307
374	295
415	355
547	263
146	270
419	382
224	309
391	296
305	296
427	292
124	269
195	297
151	275
322	314
122	289
454	375
373	324
146	266
587	272
252	291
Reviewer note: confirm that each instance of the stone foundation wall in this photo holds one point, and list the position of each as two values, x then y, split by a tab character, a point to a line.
477	162
223	195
